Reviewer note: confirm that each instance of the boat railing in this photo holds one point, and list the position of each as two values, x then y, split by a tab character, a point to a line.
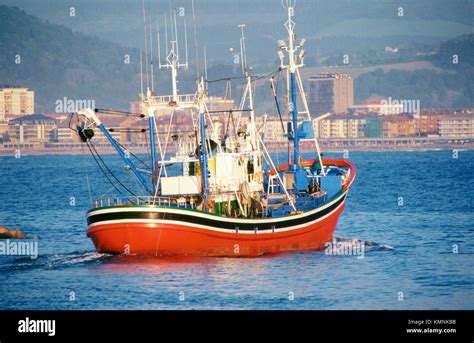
143	201
165	99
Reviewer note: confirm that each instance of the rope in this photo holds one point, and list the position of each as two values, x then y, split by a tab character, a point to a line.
87	174
111	173
103	172
256	78
132	154
277	105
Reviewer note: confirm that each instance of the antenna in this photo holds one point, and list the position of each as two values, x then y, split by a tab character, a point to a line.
243	51
196	54
158	43
141	73
186	42
248	91
205	63
166	34
151	43
146	45
287	4
151	60
176	35
172	60
294	84
171	22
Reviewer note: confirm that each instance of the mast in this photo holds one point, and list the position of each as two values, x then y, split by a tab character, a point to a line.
141	74
149	112
151	124
151	59
290	25
243	51
294	84
248	91
172	60
146	45
203	155
295	61
196	52
247	74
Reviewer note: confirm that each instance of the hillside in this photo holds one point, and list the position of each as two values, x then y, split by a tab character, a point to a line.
341	26
462	47
57	62
450	85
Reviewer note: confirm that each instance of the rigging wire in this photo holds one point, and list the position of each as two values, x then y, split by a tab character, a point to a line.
148	152
227	79
132	154
87	174
275	97
118	113
90	144
265	93
196	52
256	78
103	172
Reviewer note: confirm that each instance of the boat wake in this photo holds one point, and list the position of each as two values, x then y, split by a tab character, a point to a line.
56	261
368	245
53	261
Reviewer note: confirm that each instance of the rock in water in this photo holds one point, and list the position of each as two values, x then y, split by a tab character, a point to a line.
8	233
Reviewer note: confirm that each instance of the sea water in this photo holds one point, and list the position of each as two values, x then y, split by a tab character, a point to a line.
410	212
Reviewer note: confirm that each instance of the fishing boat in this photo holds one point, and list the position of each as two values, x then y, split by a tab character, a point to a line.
228	197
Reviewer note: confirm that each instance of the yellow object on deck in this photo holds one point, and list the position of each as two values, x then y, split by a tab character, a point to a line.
212	164
198	168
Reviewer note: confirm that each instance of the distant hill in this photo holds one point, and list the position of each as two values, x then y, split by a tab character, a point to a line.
331	26
461	47
450	87
57	62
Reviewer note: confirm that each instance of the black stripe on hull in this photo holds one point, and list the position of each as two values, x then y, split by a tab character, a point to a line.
258	225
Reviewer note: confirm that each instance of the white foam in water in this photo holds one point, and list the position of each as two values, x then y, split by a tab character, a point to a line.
52	261
370	245
75	258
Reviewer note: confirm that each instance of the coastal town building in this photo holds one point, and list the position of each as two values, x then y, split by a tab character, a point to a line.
40	128
16	101
32	128
399	126
274	131
63	134
373	127
457	126
376	126
427	124
332	93
3	130
376	107
341	127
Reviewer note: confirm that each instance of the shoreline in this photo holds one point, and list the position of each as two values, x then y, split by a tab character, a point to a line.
271	148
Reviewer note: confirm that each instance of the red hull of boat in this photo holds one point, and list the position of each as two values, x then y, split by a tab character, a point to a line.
163	232
163	239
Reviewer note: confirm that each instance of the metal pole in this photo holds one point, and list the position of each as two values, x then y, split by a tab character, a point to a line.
151	123
124	157
203	156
